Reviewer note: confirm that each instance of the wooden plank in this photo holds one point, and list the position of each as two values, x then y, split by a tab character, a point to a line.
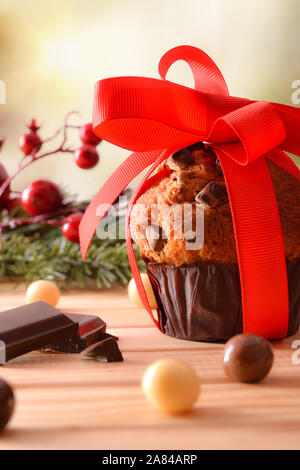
122	313
216	430
66	401
47	369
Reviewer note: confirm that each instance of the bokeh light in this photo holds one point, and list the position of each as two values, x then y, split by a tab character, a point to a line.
52	53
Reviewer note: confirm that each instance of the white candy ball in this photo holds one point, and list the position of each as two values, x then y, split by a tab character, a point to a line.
134	295
43	290
171	385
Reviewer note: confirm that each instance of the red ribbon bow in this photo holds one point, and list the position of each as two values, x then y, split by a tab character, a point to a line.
155	117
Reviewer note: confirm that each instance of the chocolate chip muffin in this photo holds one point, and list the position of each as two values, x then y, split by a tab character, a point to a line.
183	226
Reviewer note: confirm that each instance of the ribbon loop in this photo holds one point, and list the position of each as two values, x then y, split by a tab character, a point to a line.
154	115
258	128
207	76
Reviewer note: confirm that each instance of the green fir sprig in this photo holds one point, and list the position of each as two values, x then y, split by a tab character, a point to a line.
35	251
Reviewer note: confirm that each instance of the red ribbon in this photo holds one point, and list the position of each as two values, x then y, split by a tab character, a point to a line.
154	118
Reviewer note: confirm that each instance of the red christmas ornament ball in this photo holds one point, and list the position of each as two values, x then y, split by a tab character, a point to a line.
86	156
40	197
87	135
70	227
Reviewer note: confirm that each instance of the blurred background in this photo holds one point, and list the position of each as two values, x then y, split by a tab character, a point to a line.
53	51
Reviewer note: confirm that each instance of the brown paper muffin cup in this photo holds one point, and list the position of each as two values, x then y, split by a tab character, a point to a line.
202	301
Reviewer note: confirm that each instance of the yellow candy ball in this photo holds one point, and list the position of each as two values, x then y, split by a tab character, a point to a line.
43	290
134	295
171	385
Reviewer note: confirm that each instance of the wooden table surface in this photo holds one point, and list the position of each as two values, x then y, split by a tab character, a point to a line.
67	402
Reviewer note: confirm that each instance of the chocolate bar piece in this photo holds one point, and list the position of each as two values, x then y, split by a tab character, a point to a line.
106	350
91	328
31	327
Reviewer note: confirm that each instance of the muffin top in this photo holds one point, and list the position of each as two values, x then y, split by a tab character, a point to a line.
184	216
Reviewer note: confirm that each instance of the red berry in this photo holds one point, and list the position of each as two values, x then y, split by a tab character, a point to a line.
30	143
87	135
12	203
4	201
41	196
86	156
70	227
3	177
5	195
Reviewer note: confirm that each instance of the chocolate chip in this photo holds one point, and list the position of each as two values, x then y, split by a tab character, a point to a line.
197	146
106	350
247	358
207	152
213	194
218	190
183	158
156	237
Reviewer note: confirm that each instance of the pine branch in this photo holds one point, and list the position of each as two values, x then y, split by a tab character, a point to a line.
37	251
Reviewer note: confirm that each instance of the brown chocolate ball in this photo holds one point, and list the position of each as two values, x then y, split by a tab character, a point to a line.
7	403
247	358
